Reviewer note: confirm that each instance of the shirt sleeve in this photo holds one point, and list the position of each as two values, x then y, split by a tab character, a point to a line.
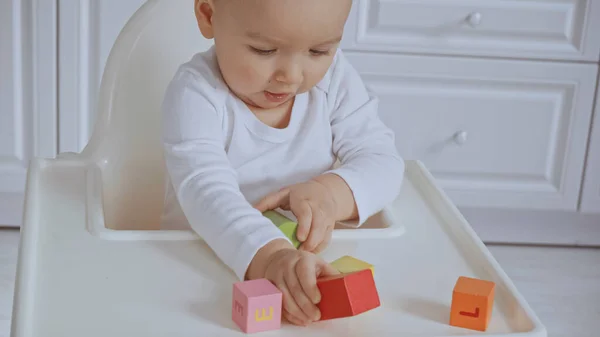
369	161
203	179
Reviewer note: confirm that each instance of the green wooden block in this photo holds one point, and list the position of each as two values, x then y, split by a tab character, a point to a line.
287	226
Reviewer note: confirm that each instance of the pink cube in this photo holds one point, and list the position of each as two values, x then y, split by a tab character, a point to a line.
256	306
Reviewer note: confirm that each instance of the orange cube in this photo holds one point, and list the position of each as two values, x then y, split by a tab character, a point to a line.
472	302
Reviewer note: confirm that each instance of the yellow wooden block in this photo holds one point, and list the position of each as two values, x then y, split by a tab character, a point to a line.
349	264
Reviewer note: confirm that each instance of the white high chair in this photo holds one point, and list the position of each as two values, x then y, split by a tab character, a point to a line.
92	261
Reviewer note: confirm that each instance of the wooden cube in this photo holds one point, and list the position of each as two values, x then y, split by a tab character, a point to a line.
347	294
472	303
256	306
348	264
286	225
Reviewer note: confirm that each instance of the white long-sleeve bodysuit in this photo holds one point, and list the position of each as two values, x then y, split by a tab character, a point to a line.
221	159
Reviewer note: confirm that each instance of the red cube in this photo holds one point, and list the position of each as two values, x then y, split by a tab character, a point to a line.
347	294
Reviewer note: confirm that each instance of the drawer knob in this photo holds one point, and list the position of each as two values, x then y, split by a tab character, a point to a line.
460	137
474	19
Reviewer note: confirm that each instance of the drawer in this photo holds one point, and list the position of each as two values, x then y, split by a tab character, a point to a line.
544	29
495	133
590	196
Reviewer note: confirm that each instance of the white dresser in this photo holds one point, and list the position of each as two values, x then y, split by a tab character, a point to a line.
496	97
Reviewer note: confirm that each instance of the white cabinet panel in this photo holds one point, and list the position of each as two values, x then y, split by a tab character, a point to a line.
495	133
547	29
12	133
590	199
27	96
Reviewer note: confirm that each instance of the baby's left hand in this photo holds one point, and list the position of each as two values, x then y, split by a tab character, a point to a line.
314	206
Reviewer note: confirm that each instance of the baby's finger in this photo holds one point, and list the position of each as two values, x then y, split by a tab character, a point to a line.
291	279
326	240
303	213
289	303
292	319
306	270
325	269
273	200
317	232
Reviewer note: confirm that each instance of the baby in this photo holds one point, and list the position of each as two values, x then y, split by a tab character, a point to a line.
258	122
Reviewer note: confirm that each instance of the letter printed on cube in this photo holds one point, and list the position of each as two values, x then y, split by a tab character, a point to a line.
472	303
256	306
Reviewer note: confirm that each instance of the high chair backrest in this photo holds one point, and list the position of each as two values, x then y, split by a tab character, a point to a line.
125	143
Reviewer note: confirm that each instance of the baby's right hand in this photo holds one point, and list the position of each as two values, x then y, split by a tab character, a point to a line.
295	273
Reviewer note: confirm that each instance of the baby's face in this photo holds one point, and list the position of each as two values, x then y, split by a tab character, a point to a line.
270	50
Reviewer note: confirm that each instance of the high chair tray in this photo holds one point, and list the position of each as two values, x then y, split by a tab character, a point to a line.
74	282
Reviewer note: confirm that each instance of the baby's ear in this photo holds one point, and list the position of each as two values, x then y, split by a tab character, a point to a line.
204	12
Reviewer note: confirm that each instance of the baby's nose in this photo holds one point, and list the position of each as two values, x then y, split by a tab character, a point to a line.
290	74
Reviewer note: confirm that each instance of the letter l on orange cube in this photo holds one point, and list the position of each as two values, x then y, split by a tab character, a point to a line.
472	303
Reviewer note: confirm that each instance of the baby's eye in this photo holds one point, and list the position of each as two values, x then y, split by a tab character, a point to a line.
263	51
319	52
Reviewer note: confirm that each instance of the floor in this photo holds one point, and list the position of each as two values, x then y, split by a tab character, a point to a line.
561	284
9	240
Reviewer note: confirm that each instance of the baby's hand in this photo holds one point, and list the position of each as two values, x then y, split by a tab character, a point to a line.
295	273
314	206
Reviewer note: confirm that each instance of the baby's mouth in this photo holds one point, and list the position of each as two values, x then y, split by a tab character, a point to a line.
276	97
